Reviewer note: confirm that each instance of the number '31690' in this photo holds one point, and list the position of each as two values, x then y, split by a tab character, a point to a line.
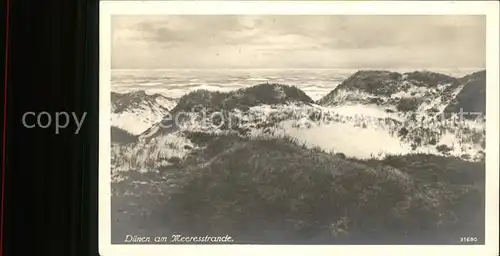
470	239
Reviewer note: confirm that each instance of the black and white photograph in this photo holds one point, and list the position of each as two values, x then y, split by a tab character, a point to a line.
297	128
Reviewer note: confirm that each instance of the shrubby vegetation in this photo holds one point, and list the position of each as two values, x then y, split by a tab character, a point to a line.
275	190
381	83
271	188
408	104
430	79
241	99
472	98
121	136
124	101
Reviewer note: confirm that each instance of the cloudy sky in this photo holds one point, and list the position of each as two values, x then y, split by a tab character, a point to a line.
298	42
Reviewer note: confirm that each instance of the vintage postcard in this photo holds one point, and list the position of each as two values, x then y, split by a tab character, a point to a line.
298	128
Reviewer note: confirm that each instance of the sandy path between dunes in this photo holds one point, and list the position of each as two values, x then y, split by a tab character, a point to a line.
345	138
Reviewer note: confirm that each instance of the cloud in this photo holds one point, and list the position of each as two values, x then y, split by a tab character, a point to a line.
206	41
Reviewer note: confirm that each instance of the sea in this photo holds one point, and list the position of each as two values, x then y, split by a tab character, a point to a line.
174	83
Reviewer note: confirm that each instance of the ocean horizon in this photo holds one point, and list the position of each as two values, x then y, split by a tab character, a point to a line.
174	83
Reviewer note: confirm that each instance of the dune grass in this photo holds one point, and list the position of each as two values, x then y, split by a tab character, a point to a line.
275	190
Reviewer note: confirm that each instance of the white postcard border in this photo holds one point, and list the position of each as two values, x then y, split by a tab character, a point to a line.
490	9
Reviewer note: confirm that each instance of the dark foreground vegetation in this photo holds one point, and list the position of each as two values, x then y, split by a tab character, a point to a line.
278	191
121	136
